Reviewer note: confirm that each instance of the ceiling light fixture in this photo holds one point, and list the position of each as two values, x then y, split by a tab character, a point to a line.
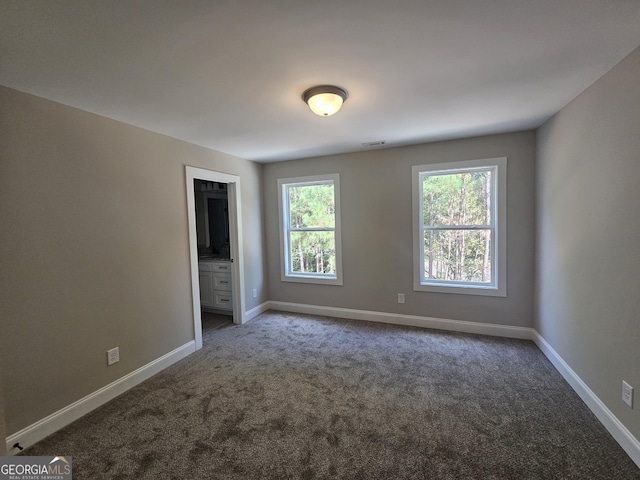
324	100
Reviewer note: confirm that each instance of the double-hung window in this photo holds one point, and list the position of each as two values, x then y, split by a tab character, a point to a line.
459	217
310	229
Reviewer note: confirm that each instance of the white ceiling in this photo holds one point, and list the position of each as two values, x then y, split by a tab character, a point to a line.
229	74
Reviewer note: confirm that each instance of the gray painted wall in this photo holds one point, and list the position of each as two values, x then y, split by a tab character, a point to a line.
588	236
377	231
95	251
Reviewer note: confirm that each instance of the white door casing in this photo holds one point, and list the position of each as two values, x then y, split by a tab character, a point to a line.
235	240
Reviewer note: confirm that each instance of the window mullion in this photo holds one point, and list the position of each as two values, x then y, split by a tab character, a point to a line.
313	229
458	227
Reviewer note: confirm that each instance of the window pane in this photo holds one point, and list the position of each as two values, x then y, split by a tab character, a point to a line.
458	255
457	199
312	206
313	252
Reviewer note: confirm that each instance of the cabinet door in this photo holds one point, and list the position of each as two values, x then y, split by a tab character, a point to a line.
206	289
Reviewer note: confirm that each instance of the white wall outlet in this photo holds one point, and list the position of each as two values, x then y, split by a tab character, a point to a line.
255	293
113	356
401	298
627	394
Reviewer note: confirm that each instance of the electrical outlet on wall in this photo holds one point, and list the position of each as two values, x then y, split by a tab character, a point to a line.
255	292
627	394
113	356
401	298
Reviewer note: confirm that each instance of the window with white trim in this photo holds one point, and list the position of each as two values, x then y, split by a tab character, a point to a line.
459	217
310	229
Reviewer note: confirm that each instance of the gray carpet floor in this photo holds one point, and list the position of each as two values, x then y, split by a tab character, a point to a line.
300	397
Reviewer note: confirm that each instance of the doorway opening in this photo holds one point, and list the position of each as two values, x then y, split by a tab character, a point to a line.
215	247
214	255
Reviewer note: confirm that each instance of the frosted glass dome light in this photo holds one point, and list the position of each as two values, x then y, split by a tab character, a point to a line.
324	100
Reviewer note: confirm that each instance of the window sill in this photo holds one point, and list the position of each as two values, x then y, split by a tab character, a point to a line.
461	289
318	280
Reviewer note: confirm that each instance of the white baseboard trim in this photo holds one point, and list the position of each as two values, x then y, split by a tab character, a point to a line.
622	435
57	420
254	312
410	320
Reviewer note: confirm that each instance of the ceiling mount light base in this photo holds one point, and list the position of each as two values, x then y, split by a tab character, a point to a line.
325	100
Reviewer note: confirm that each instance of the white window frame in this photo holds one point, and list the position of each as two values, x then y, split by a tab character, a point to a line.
498	287
283	207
